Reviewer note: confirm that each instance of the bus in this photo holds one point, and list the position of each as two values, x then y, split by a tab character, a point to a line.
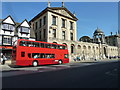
28	52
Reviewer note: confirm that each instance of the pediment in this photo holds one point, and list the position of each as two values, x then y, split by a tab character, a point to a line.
63	11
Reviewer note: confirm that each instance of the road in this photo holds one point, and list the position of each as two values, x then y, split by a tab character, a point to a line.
77	75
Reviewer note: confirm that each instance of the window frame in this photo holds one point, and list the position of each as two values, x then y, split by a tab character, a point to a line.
54	20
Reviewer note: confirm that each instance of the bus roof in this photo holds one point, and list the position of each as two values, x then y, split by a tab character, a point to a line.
40	42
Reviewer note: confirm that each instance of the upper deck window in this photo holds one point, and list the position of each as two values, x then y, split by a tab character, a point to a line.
48	45
54	46
41	45
22	43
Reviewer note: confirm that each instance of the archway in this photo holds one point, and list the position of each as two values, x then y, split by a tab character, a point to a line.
105	53
55	42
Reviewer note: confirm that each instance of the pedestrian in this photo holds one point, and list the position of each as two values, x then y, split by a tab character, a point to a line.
74	58
3	59
78	58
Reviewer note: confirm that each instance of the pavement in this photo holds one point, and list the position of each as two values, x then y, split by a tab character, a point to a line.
9	67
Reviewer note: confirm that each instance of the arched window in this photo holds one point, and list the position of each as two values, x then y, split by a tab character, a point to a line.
72	48
65	44
79	47
55	42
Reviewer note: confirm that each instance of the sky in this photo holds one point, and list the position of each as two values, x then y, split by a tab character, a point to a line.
91	15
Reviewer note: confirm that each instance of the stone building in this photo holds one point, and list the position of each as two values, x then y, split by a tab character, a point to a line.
58	25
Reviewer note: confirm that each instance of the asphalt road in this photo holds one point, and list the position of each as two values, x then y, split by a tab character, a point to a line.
103	75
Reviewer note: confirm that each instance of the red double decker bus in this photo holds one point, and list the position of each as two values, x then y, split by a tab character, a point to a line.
28	52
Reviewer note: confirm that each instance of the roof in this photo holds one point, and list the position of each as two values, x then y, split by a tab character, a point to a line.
98	31
111	36
85	39
51	10
32	34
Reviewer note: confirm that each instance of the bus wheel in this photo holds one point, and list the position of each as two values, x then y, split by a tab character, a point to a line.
34	63
60	62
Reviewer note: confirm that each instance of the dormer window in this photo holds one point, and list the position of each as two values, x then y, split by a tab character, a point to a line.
8	27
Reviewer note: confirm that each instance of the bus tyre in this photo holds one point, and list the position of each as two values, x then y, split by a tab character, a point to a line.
34	63
60	62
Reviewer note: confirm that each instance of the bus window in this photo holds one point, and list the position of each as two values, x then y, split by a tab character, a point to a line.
29	55
42	55
64	47
47	55
42	45
35	55
47	45
22	43
22	54
53	46
52	56
60	47
28	43
36	44
39	44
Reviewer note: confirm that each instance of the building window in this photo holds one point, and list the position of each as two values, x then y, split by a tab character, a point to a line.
63	23
44	33
44	20
63	34
36	36
40	23
7	40
53	20
25	29
8	27
40	35
33	26
71	36
71	25
54	33
72	48
36	26
23	38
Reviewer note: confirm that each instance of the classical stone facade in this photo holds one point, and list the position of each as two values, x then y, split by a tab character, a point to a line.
58	25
